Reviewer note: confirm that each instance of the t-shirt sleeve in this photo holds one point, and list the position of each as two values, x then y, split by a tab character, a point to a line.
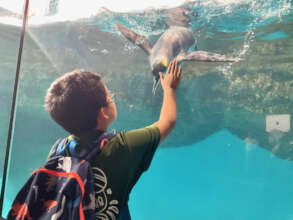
142	144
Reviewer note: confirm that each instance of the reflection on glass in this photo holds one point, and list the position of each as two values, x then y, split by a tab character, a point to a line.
220	156
9	41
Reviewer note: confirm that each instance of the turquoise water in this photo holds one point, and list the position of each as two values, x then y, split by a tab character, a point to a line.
219	178
220	162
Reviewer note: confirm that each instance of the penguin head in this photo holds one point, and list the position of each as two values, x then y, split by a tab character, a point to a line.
159	66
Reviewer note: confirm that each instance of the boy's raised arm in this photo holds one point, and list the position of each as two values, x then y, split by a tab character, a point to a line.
168	114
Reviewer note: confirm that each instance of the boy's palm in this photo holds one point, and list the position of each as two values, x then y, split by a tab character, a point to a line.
173	75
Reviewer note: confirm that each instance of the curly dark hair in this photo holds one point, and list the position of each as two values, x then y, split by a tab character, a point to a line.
74	100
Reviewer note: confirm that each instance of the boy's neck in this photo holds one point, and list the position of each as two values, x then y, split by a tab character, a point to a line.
102	128
89	136
102	125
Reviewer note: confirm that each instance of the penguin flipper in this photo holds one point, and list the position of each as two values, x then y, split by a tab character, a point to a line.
135	38
205	57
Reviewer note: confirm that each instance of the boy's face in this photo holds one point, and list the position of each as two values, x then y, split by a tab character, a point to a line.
110	109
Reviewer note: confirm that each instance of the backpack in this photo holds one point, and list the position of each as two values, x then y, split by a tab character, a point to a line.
63	188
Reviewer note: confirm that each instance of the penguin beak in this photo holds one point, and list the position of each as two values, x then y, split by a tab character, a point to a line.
155	84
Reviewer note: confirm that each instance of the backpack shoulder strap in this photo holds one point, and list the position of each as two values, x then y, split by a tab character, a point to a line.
61	147
98	145
53	151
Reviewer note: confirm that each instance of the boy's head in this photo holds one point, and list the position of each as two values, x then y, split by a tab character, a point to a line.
80	102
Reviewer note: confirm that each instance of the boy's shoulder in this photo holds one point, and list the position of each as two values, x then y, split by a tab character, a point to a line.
144	131
141	136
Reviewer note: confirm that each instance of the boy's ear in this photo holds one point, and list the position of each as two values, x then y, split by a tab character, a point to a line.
102	114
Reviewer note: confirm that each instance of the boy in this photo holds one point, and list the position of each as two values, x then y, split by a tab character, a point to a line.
82	105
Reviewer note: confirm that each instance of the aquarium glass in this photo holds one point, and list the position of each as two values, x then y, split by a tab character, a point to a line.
230	154
9	45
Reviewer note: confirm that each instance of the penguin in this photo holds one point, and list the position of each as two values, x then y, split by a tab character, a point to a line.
175	43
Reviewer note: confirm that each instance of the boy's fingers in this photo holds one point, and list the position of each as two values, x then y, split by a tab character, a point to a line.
168	70
170	67
179	72
161	76
175	66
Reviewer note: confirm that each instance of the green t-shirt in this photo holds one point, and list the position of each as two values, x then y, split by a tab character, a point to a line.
119	165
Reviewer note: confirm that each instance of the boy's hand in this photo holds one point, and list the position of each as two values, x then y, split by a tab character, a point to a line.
168	114
173	75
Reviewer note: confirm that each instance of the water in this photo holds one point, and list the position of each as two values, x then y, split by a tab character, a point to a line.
215	179
220	162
